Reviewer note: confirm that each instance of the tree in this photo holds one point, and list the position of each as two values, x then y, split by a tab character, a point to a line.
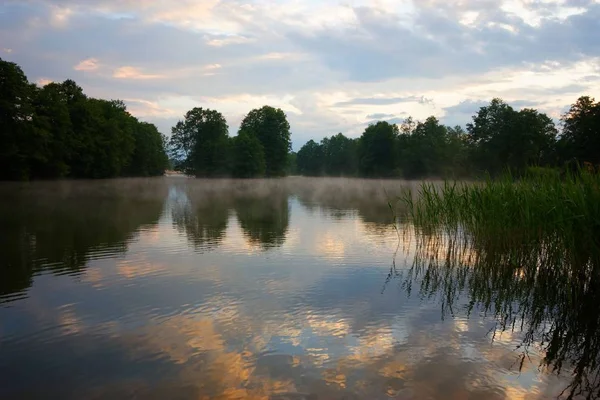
292	166
270	126
52	116
424	148
458	152
248	156
580	139
502	137
149	157
57	131
112	142
202	140
340	155
311	159
537	138
376	149
16	112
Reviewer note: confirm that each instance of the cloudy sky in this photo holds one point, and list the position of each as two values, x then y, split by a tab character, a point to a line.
332	66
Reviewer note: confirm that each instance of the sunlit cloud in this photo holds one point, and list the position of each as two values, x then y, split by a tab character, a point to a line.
59	16
146	108
44	81
129	72
90	64
280	56
229	40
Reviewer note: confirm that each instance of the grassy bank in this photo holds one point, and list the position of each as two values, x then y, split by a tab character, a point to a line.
540	208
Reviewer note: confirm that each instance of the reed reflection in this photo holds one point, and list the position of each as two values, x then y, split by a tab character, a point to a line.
543	291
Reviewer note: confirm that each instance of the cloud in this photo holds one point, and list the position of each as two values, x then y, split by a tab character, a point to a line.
220	41
44	81
59	16
382	101
327	64
90	64
149	109
378	116
280	56
128	72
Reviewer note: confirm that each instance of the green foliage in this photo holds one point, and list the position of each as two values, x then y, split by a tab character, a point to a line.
543	172
340	154
513	211
20	141
502	137
334	156
149	157
202	140
196	139
248	156
525	251
377	149
58	132
311	158
498	138
270	126
292	167
580	139
429	149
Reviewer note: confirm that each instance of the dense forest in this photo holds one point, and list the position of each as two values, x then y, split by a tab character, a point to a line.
56	131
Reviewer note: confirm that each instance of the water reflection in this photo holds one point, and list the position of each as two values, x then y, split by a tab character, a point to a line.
202	210
264	218
201	214
245	290
542	294
59	227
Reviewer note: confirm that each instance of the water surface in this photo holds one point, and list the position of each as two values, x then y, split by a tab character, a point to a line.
207	289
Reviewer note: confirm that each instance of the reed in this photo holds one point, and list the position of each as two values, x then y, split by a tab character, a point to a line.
535	208
526	251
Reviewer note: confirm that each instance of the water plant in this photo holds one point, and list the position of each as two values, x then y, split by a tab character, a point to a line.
527	252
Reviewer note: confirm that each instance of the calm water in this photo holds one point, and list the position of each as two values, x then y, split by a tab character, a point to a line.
285	289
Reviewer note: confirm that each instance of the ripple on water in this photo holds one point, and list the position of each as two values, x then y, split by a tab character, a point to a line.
237	291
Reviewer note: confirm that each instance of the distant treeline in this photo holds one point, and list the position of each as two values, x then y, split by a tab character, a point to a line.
497	139
56	131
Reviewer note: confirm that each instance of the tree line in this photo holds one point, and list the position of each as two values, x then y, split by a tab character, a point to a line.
498	138
201	144
56	131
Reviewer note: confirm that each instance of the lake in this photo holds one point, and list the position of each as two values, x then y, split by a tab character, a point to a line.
295	288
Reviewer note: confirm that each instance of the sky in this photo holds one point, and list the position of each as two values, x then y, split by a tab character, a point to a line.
332	66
